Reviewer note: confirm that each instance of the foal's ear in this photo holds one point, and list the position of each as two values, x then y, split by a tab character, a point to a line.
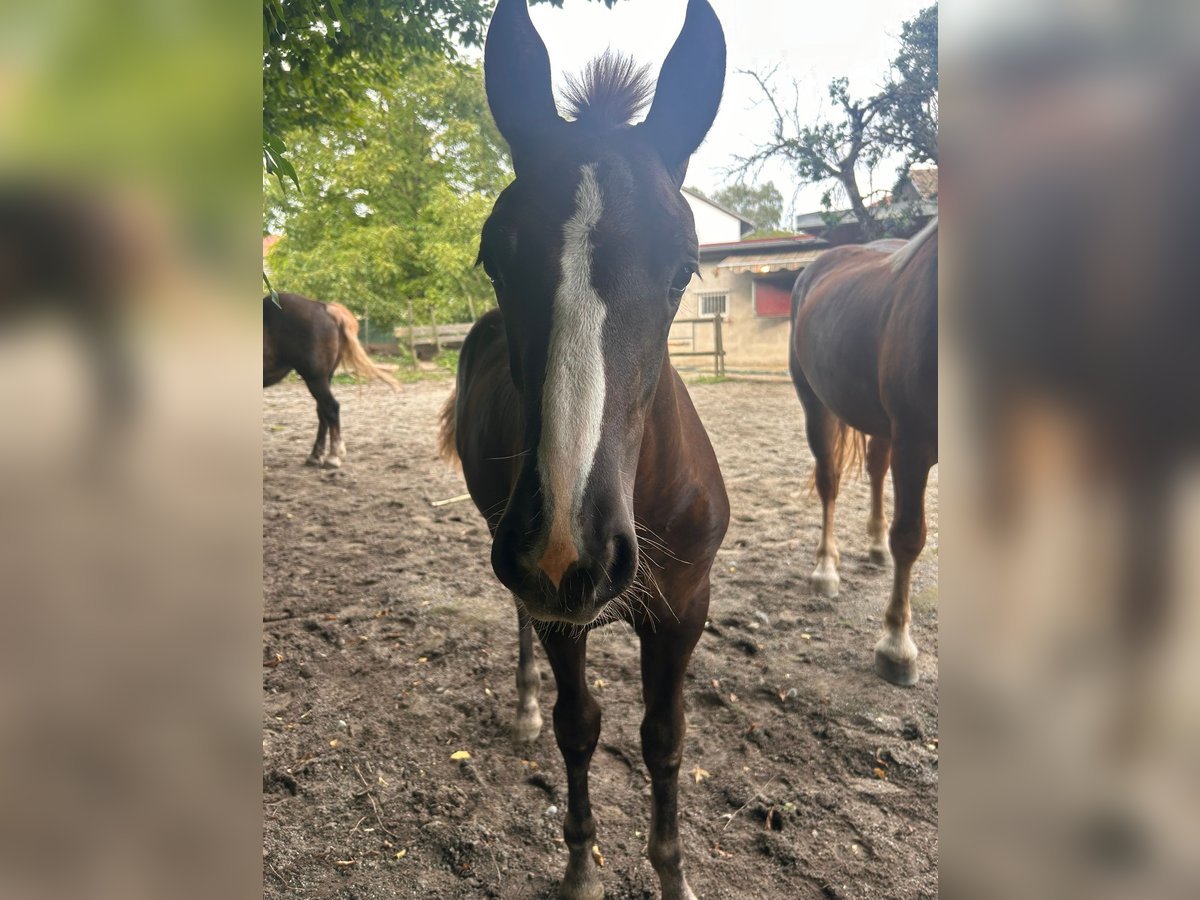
689	89
516	71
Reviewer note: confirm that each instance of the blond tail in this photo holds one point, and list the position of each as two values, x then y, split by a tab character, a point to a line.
354	357
849	453
447	431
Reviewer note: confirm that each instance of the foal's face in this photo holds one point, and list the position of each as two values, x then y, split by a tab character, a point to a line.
590	250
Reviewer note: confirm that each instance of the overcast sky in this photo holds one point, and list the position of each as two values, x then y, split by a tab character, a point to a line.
811	42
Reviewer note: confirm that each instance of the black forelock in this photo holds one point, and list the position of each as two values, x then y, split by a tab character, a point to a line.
610	92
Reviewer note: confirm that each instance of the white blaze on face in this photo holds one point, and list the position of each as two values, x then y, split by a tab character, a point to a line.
573	391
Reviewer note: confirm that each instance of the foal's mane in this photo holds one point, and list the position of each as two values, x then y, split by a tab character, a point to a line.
610	91
905	254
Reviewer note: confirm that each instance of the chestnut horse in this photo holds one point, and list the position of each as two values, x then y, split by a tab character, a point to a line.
863	357
314	338
578	441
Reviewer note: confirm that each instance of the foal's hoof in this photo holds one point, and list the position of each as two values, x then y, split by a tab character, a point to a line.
527	727
878	556
582	880
581	889
313	461
679	891
332	462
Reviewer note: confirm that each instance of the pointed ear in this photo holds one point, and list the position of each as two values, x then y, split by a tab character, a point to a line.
516	71
689	88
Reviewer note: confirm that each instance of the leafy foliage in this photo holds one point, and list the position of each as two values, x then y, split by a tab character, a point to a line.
389	220
761	204
321	56
835	150
909	118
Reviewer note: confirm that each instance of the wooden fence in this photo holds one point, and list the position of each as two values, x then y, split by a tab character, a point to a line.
425	340
718	342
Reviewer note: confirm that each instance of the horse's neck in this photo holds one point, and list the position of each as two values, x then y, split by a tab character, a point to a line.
661	429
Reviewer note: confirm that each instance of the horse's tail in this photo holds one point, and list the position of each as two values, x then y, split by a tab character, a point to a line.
448	430
353	356
849	453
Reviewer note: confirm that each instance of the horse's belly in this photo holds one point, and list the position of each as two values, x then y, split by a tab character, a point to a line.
845	379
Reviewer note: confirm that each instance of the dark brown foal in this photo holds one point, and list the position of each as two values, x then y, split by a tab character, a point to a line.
578	441
314	339
864	359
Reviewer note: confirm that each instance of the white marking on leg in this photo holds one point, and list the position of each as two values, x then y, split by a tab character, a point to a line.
574	388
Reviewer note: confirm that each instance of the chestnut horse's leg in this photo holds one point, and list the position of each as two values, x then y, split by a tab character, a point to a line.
879	456
577	728
822	428
528	723
665	655
896	653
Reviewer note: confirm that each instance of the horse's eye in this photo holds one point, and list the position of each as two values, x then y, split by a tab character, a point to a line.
682	279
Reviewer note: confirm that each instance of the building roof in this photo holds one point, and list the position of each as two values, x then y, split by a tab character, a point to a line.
763	263
925	180
845	225
790	242
725	209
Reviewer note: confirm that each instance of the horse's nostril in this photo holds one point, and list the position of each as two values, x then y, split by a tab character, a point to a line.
622	560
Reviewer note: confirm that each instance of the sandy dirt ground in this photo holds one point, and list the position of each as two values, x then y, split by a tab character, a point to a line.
388	646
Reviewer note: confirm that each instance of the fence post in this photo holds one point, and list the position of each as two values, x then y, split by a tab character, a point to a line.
718	347
722	352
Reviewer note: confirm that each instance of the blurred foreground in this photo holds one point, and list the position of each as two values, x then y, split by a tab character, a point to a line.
129	470
1070	391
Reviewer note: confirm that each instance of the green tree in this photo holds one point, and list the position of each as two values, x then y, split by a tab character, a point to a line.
909	114
320	57
761	204
389	220
836	150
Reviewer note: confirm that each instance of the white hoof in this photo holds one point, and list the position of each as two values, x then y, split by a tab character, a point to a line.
332	462
825	580
527	726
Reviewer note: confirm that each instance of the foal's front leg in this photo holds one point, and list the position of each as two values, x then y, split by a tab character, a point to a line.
577	728
665	655
528	722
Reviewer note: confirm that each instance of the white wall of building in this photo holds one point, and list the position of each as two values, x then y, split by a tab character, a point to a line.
713	225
